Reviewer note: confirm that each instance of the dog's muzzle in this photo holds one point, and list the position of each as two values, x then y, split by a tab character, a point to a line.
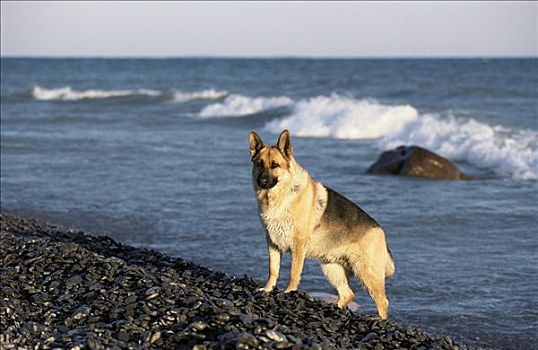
267	182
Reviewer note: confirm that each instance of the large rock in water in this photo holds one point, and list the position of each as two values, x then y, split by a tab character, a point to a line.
416	161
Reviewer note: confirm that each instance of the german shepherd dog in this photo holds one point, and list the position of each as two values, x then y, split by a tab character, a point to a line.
311	220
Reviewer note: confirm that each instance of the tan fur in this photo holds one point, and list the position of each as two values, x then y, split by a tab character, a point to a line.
291	214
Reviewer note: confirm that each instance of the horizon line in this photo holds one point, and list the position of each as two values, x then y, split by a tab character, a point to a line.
268	57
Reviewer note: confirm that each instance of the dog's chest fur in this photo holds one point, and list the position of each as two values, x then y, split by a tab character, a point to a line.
278	218
278	221
280	232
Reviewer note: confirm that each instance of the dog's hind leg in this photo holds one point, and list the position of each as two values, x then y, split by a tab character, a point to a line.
374	281
337	276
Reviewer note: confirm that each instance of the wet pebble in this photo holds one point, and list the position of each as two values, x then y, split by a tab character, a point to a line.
81	312
369	337
274	335
152	292
198	326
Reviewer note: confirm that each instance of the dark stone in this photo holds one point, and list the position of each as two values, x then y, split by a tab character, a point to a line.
123	336
275	336
416	161
81	312
369	337
73	281
248	339
245	319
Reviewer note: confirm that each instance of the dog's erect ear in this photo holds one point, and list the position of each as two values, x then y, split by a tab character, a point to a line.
255	142
284	144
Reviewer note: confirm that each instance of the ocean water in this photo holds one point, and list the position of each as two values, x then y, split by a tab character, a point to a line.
155	154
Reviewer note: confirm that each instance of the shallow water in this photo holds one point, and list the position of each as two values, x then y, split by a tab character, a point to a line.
155	153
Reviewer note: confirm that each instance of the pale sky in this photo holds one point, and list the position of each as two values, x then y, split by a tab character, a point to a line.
251	29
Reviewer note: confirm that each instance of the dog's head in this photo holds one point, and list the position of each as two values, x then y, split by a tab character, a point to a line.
270	164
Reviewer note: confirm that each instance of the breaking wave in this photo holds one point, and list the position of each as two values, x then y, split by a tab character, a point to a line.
210	94
344	118
509	153
66	93
238	105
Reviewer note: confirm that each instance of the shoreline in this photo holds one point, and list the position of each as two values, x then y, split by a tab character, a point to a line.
64	288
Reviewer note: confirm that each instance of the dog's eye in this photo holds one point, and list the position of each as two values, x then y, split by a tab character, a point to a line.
260	163
274	165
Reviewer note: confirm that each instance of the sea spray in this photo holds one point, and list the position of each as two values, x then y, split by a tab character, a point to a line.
66	93
209	94
344	118
506	152
238	105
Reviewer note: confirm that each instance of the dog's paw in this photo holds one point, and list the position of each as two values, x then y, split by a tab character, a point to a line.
290	290
265	289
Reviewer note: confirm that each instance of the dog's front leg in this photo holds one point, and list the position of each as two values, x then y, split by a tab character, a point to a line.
297	261
274	267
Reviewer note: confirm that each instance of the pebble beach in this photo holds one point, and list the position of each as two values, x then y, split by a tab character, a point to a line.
63	288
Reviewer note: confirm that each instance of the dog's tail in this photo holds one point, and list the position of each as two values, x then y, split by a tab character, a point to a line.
390	268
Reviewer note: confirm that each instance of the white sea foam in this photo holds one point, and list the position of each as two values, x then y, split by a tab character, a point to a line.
238	105
506	152
344	118
210	94
68	94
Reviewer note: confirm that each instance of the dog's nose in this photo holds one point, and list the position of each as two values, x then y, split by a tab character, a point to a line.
266	181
